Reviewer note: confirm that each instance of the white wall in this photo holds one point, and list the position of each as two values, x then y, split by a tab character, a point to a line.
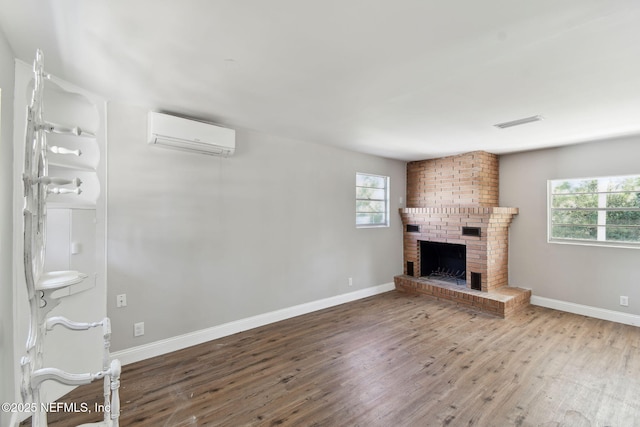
197	241
6	226
588	275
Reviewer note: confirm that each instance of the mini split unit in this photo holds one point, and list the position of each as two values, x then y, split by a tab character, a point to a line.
189	135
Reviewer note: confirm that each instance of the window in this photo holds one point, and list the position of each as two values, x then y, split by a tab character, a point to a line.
372	200
602	211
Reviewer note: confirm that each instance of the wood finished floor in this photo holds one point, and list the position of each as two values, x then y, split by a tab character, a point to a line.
392	360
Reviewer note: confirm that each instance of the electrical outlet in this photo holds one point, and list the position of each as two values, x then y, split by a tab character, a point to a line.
121	300
350	281
138	329
624	301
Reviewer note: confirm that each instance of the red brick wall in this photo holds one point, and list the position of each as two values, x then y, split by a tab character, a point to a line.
469	179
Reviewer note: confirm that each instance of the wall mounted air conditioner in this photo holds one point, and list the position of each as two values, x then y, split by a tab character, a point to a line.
183	134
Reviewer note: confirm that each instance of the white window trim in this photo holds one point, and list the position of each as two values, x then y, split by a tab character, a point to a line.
387	198
601	222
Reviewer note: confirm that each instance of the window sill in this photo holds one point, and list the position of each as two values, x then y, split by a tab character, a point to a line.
625	245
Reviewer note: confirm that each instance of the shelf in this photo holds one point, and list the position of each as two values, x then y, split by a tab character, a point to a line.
90	188
89	159
67	166
59	279
65	205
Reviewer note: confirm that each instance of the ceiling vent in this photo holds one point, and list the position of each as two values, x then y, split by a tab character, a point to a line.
190	135
519	122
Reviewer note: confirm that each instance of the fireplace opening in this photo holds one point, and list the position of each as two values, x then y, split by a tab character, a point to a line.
444	261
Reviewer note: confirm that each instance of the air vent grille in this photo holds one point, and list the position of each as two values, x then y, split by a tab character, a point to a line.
519	122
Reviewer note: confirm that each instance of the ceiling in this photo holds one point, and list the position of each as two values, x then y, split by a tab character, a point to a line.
405	79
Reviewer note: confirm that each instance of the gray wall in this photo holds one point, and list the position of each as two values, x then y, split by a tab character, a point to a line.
7	67
588	275
197	241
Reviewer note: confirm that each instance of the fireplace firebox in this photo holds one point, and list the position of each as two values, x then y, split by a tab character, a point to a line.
446	261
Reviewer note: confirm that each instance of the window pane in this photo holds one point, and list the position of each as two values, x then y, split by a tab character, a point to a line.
574	186
623	234
575	201
623	218
363	180
575	217
370	206
574	232
370	219
624	183
623	200
370	193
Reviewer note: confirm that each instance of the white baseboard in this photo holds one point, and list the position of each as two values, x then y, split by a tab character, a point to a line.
586	310
157	348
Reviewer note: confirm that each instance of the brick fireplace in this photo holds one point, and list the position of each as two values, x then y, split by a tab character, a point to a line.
454	229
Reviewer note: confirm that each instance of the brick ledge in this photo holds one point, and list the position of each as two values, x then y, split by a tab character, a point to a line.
460	210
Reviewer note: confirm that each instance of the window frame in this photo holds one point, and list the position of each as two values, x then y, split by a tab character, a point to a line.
601	211
387	219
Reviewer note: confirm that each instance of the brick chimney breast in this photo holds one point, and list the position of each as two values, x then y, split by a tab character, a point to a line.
469	180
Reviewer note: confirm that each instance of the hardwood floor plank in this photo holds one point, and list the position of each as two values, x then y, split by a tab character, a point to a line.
391	360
